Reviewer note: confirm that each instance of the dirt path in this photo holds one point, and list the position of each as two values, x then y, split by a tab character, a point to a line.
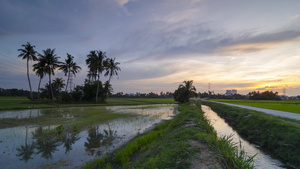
290	115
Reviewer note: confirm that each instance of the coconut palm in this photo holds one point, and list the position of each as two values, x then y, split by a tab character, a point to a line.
112	68
69	67
51	62
185	91
40	71
28	53
58	84
95	64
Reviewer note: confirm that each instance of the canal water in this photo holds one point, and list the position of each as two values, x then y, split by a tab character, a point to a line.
261	160
26	147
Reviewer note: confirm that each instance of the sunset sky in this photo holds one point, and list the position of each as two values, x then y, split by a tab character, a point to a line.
243	45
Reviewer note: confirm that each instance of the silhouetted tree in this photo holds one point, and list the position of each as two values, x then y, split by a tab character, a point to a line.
51	63
112	68
95	61
40	70
28	53
69	67
185	91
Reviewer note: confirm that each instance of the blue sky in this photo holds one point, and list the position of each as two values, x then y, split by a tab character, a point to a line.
243	45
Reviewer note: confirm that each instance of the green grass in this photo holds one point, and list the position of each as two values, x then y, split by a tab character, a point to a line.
138	101
282	105
79	121
275	134
9	103
168	145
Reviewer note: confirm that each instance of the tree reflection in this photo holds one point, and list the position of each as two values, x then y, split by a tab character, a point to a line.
25	151
69	140
45	145
93	141
109	135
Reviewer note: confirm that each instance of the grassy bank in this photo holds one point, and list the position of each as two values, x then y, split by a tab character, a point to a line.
180	143
10	103
282	105
275	134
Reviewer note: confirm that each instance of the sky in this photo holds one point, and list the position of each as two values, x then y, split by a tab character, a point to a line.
243	45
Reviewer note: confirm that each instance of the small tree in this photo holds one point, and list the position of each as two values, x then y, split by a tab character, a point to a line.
185	91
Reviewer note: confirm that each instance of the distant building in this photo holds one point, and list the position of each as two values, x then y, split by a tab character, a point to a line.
231	92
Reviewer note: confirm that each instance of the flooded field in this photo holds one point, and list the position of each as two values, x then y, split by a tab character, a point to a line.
29	147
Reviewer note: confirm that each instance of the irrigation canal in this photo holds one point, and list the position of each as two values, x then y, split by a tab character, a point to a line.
261	161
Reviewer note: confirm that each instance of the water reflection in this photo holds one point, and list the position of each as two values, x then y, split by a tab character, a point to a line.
68	140
261	160
25	151
96	139
28	146
46	147
93	141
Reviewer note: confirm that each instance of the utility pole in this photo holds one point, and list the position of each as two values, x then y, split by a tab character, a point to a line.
209	93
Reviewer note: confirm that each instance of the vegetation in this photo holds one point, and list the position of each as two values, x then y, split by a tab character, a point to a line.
112	68
267	95
7	103
275	134
79	119
69	67
185	91
289	106
170	145
95	61
48	63
28	53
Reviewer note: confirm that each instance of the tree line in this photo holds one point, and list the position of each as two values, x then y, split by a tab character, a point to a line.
47	62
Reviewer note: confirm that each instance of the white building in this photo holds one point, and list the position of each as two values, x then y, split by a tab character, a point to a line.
231	92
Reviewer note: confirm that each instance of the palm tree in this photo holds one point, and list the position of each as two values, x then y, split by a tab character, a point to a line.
185	91
40	71
58	84
30	54
106	91
69	67
95	64
112	68
51	62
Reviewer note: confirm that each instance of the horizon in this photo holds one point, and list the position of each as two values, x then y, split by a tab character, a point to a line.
247	46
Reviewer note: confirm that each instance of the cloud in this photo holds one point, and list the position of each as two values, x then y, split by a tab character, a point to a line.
158	39
267	88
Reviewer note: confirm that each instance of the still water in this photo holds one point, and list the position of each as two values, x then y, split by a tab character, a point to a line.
25	147
261	160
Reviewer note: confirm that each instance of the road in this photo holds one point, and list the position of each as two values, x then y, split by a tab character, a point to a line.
290	115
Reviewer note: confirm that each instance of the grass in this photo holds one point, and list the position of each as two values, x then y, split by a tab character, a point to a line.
79	121
169	145
275	134
9	103
282	105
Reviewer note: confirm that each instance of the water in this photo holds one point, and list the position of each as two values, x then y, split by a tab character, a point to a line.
261	160
25	147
